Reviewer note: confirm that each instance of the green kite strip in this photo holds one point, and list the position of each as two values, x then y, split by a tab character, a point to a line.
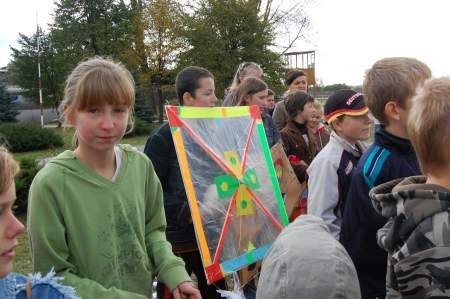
272	173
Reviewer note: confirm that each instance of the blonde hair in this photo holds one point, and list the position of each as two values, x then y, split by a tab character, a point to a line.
8	169
98	81
392	79
248	87
242	70
429	124
318	106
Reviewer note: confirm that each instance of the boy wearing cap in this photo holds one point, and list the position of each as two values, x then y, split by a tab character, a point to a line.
388	88
331	170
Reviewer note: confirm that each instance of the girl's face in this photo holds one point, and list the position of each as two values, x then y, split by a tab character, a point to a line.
315	120
10	228
299	84
99	128
258	99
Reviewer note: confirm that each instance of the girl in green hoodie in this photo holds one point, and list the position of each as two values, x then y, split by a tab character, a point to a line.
96	213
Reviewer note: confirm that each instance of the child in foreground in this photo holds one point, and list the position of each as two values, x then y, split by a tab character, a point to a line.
96	213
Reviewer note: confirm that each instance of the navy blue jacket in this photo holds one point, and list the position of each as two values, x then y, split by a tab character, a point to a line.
388	158
161	151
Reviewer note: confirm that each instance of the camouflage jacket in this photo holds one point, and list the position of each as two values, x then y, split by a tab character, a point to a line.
417	237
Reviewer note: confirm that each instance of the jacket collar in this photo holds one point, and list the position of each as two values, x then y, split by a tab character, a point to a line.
393	142
356	150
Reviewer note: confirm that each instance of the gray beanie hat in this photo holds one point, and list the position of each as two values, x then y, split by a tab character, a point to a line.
305	261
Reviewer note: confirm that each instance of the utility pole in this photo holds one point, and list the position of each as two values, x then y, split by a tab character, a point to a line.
39	70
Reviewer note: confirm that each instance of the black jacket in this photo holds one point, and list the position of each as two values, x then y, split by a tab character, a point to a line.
161	151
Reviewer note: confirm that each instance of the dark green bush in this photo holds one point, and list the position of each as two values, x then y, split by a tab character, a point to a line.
27	137
28	169
142	128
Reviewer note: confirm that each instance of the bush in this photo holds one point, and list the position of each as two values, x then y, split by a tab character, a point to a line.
27	137
141	128
28	169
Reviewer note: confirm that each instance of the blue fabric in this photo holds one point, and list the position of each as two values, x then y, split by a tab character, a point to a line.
272	133
48	287
374	164
388	158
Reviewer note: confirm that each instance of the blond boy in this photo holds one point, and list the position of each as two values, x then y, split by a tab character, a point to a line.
388	87
418	237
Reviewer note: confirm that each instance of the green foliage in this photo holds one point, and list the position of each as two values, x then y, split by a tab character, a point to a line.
8	109
26	137
28	169
222	34
141	128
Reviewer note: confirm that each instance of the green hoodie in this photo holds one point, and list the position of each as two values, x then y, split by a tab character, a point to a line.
106	238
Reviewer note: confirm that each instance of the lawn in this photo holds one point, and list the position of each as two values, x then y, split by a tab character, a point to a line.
22	263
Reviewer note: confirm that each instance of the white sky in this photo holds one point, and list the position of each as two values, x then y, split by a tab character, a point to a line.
348	35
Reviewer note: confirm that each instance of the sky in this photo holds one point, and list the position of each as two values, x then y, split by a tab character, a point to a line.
347	35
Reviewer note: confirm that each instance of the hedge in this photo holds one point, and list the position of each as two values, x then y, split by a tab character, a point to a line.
26	137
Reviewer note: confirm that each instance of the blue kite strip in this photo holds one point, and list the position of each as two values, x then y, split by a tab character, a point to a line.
242	261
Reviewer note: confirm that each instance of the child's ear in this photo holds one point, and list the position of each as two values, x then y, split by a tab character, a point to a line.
68	116
391	111
187	99
246	99
336	125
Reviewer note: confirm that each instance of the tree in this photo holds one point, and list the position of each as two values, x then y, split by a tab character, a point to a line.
223	33
23	70
8	109
81	28
285	19
163	42
85	28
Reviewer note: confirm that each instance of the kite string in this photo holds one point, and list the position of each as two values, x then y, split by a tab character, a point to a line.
224	229
247	146
264	209
210	151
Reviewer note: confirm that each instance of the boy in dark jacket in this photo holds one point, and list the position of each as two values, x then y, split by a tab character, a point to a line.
297	141
388	88
195	87
418	236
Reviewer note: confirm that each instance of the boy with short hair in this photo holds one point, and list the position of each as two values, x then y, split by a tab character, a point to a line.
195	87
418	237
388	88
331	170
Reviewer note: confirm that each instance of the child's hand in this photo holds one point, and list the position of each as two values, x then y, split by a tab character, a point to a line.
186	290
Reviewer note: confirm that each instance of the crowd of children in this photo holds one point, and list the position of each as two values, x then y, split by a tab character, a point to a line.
107	219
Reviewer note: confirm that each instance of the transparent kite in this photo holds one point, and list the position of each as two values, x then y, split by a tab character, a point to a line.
231	184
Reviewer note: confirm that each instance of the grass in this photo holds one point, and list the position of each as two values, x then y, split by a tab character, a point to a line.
22	263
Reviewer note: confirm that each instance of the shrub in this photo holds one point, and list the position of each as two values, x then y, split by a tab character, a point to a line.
27	137
28	169
141	128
